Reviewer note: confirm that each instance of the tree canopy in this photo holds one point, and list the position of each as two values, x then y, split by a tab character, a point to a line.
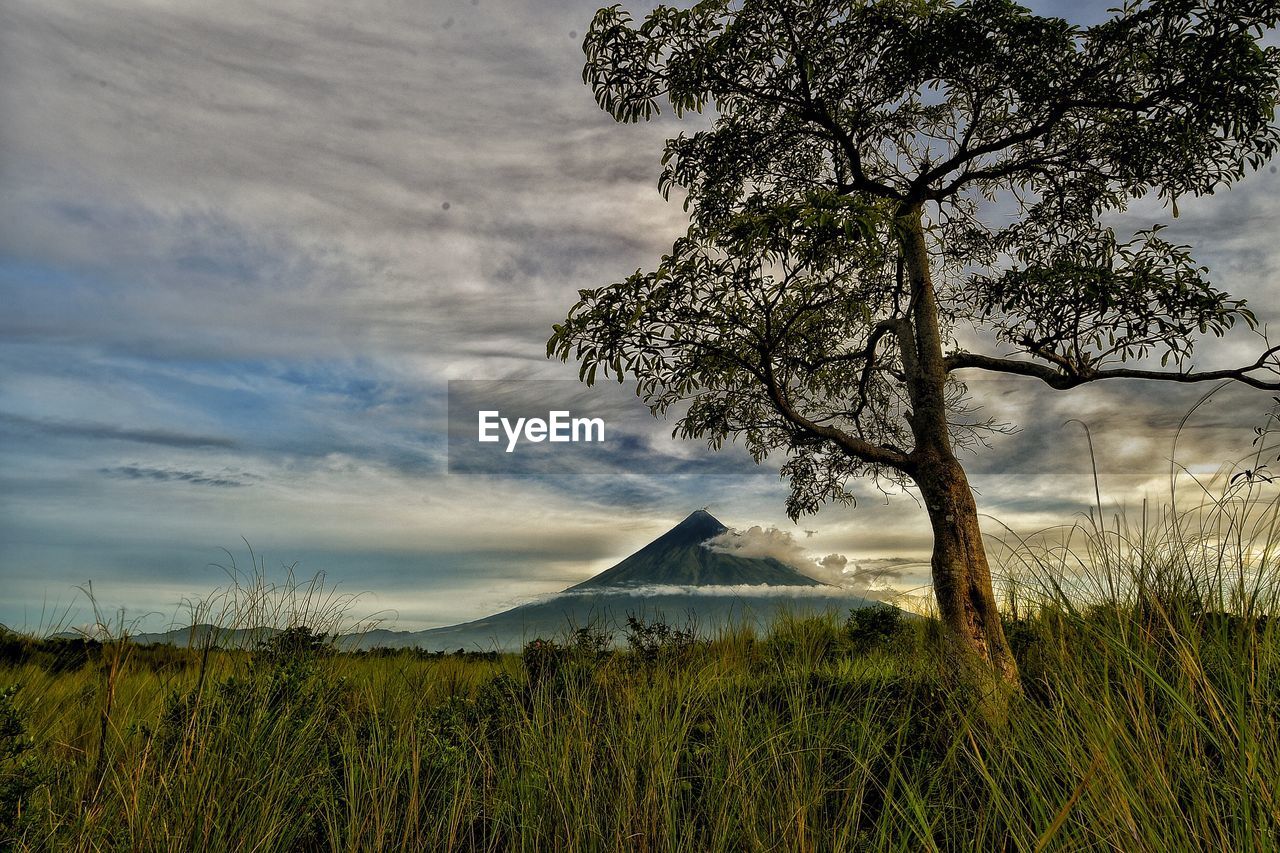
867	165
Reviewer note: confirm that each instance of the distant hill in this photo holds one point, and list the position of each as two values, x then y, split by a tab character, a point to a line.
200	635
675	578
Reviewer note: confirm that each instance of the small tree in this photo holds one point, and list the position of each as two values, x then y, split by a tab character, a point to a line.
837	251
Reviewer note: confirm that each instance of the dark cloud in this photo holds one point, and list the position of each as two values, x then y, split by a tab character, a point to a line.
168	475
90	431
882	572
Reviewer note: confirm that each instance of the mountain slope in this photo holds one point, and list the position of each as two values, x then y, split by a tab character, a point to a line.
708	609
678	557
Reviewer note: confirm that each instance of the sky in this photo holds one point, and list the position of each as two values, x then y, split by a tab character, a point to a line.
245	246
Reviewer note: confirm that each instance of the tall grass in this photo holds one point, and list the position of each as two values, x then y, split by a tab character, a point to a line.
1149	652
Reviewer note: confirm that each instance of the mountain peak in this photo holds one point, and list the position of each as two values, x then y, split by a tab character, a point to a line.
697	523
678	557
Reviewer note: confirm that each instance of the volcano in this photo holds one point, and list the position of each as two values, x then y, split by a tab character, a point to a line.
676	578
681	557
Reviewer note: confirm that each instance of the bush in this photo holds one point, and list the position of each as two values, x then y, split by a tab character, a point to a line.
574	659
880	626
651	642
542	659
291	645
18	772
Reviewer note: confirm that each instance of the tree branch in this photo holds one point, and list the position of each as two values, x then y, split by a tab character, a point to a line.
855	447
1062	381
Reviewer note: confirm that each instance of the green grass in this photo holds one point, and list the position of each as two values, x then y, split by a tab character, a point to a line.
1131	736
1150	658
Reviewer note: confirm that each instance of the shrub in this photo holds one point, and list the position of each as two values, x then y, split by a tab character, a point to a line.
650	642
542	659
880	626
546	661
18	771
298	643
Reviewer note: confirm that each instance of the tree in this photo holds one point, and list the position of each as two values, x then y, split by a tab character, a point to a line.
841	270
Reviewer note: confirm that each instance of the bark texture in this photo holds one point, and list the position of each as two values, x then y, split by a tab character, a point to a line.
962	576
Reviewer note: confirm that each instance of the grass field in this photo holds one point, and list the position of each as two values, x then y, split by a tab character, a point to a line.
1151	664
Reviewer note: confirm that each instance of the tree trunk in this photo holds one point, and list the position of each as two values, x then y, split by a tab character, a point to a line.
961	576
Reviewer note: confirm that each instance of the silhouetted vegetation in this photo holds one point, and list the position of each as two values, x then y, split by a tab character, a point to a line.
424	654
55	654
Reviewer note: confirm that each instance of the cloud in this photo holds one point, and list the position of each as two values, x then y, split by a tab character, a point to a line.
873	577
834	562
195	478
299	179
878	573
107	432
760	542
